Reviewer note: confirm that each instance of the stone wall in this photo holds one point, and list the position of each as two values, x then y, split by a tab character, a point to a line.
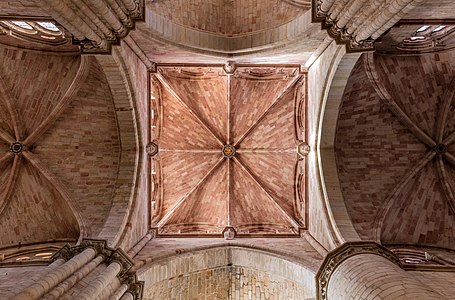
227	273
370	276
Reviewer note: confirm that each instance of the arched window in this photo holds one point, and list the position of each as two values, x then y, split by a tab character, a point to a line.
427	37
46	32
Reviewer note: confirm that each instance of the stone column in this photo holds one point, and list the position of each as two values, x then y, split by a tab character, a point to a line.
365	270
100	283
70	282
57	275
84	276
345	20
119	292
127	296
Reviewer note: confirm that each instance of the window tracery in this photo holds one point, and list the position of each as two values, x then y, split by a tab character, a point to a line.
28	256
427	37
46	32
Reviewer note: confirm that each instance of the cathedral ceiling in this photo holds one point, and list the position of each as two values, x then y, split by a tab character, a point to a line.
59	146
395	151
228	150
213	31
228	18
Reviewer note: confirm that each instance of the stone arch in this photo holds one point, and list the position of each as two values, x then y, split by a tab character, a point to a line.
232	268
332	99
125	109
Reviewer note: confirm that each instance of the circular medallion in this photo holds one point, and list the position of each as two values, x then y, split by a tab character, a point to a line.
303	149
228	151
440	148
16	147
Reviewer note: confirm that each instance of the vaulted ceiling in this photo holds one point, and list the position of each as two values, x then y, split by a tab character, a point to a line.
394	149
59	146
201	188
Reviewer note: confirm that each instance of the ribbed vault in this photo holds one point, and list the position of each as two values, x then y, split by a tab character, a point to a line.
57	173
199	188
394	149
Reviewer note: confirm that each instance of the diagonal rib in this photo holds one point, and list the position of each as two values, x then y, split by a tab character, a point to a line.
387	204
59	187
450	139
6	137
256	180
266	151
5	157
179	204
444	111
229	121
11	184
6	92
265	113
450	158
166	84
445	184
64	102
229	190
387	98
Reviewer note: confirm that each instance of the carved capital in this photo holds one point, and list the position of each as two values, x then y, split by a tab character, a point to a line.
65	253
120	257
101	247
341	35
135	287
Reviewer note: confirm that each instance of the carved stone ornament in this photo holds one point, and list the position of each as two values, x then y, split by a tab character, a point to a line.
135	287
65	253
152	68
229	233
152	149
345	251
303	149
229	67
88	46
341	35
125	262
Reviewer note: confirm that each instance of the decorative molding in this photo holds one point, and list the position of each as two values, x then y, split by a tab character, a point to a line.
229	233
357	23
135	287
265	74
340	35
152	149
342	253
229	67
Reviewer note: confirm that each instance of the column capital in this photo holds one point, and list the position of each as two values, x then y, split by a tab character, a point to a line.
111	255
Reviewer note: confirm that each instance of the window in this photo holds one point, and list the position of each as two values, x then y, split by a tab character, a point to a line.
427	37
46	32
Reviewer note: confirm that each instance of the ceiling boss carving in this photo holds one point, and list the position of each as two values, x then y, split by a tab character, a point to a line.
229	150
